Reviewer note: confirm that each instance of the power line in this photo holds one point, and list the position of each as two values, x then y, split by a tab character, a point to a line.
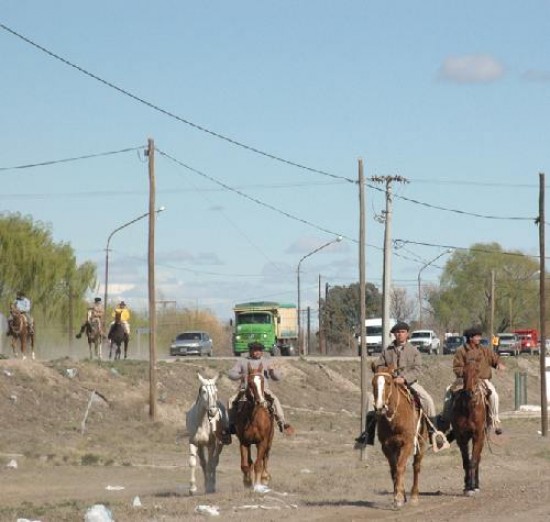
171	114
67	160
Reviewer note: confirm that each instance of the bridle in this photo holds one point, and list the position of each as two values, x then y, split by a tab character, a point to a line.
381	399
255	387
208	396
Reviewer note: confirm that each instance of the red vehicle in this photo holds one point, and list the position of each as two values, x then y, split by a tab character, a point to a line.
529	338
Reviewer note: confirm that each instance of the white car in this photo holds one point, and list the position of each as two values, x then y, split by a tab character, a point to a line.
426	341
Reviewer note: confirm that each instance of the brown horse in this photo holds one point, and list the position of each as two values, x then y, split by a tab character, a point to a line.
468	419
93	334
254	425
20	331
118	336
400	431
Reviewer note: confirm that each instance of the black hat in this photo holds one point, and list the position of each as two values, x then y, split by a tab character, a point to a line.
400	325
97	299
473	330
256	346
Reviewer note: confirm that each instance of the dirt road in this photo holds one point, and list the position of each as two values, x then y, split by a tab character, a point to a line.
62	471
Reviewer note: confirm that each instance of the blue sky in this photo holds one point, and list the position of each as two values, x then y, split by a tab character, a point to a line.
455	97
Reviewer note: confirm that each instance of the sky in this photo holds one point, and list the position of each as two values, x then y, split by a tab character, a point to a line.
260	112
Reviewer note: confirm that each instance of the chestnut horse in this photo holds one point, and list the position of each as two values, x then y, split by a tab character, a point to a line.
204	423
20	331
468	420
93	334
401	431
254	425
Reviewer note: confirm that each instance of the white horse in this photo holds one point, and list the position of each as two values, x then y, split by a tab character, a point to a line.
204	422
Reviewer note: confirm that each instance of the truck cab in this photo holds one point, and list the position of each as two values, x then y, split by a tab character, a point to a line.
426	341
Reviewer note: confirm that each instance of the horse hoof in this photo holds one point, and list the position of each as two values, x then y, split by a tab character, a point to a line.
414	501
260	488
469	492
398	504
192	491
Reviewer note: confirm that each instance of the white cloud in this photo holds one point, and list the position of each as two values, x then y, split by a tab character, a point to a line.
471	68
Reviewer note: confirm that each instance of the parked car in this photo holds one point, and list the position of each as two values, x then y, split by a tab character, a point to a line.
426	341
192	343
452	344
508	344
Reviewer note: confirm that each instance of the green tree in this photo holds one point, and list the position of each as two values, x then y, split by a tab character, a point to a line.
464	296
46	271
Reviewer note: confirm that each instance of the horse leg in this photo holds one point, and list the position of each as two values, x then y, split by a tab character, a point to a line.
126	340
466	466
477	448
246	463
32	345
399	496
90	348
214	450
259	463
193	468
203	463
417	462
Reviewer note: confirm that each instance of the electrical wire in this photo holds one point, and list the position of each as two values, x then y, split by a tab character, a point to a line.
171	114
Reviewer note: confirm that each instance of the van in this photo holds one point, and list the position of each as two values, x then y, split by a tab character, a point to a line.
373	334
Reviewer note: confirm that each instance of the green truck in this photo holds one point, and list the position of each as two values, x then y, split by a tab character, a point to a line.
275	325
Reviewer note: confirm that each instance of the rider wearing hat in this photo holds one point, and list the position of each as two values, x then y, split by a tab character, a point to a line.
124	318
407	362
23	305
487	359
94	312
239	372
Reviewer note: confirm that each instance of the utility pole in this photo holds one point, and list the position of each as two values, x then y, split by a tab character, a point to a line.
362	304
319	311
151	285
542	291
386	283
492	319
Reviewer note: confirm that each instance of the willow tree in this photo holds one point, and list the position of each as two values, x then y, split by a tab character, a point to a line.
30	261
465	292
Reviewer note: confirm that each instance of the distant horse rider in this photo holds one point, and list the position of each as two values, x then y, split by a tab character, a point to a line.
239	372
23	304
94	313
124	318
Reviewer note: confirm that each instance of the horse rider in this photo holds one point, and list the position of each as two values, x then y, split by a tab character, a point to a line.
23	304
407	360
124	318
240	372
94	313
487	359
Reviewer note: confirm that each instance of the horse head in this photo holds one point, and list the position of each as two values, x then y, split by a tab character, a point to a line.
255	384
208	397
18	320
383	386
118	316
470	375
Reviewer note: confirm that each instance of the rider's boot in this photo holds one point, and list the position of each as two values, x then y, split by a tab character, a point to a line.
368	436
437	438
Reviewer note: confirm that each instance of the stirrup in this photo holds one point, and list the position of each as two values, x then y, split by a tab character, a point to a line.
439	441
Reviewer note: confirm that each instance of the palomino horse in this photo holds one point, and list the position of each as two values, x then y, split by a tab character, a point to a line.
93	334
255	425
204	423
117	336
20	331
468	420
400	431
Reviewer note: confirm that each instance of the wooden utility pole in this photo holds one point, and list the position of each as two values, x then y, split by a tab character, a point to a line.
492	318
362	304
386	283
151	280
320	312
542	292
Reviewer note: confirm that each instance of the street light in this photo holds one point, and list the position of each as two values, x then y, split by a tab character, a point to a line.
160	209
336	240
448	251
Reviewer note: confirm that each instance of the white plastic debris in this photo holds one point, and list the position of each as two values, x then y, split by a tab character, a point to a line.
12	464
7	373
203	509
13	397
98	513
306	471
136	502
114	488
26	520
260	488
71	372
